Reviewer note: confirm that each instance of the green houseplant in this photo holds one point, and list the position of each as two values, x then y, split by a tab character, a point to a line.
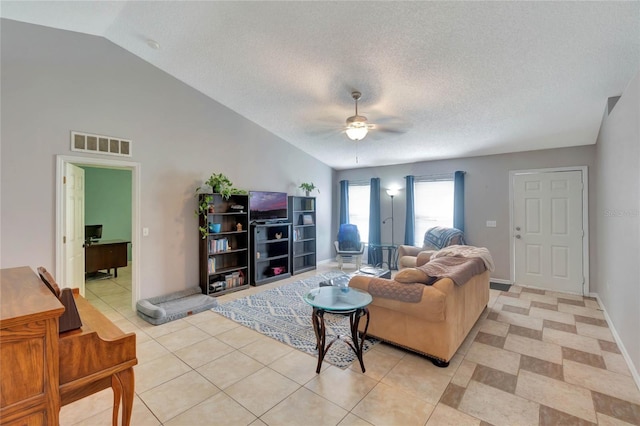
308	187
203	209
220	184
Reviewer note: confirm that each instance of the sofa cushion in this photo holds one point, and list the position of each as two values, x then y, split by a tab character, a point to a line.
413	275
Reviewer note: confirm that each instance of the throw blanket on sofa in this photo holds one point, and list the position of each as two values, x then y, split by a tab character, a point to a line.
439	237
466	252
459	269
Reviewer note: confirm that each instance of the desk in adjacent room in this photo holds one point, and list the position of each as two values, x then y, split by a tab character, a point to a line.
105	255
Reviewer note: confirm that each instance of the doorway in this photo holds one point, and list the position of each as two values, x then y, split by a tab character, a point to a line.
549	229
62	270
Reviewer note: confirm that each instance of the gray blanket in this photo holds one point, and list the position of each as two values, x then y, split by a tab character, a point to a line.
459	269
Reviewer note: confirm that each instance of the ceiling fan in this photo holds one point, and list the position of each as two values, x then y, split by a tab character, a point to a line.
357	126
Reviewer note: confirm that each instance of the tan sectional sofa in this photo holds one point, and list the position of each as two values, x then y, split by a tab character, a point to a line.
429	319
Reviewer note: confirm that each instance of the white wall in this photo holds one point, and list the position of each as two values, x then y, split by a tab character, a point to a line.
486	192
56	81
617	218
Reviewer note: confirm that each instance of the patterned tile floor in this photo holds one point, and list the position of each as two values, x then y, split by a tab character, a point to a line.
534	358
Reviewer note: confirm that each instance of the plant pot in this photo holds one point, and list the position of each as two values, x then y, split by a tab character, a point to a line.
215	227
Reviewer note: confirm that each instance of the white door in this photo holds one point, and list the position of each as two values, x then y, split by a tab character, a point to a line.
73	189
548	230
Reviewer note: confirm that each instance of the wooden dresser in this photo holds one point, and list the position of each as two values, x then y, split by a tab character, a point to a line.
29	367
41	370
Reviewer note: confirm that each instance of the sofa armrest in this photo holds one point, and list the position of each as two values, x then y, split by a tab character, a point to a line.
415	299
404	250
424	257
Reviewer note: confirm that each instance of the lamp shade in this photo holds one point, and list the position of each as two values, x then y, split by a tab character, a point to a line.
357	133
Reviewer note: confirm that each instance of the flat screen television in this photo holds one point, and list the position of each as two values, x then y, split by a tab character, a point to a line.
267	206
92	232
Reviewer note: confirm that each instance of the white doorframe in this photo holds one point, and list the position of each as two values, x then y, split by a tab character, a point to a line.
61	162
585	219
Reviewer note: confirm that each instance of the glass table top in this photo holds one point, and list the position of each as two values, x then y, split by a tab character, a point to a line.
338	299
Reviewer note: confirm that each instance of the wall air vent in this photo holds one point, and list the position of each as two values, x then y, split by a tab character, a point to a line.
100	144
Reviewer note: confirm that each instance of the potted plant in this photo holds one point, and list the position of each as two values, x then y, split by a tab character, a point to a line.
308	187
221	184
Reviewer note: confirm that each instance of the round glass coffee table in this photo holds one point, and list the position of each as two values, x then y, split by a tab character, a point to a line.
339	300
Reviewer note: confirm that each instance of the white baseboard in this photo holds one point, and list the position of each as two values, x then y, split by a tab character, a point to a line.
635	373
500	281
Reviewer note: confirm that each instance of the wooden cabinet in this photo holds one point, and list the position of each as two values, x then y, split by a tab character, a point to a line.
28	349
270	252
302	215
224	250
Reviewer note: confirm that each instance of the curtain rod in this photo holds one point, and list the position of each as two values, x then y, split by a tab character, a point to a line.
434	177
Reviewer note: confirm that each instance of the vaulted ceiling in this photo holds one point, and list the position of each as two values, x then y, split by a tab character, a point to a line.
439	79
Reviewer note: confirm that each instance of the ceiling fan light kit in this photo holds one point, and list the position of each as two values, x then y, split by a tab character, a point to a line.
357	127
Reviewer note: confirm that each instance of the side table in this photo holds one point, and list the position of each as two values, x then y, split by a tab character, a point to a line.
339	300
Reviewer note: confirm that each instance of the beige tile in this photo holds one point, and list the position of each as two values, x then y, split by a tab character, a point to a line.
464	373
541	298
514	301
539	349
166	328
580	310
592	304
569	328
262	390
140	416
562	396
216	325
389	349
570	340
603	381
158	371
203	352
182	338
266	350
520	320
617	408
494	327
304	407
589	330
150	350
538	366
564	295
230	368
176	396
496	378
562	317
443	415
376	363
239	336
616	363
604	420
583	357
351	388
201	317
498	407
490	356
386	405
87	407
353	420
413	377
297	366
218	409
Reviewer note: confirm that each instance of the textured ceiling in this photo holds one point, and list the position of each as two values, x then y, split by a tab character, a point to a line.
455	79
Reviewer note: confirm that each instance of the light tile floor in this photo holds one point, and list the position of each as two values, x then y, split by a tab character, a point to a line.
534	358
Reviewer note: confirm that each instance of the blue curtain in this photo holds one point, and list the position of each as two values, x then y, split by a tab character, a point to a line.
410	221
458	200
375	256
344	201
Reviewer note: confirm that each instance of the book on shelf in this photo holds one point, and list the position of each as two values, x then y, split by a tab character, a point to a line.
218	245
212	265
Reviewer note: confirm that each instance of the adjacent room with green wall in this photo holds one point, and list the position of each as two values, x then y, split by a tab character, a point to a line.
108	202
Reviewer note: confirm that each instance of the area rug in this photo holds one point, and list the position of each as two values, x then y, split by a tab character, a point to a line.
282	314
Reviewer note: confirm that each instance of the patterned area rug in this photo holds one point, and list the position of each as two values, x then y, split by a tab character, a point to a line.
282	314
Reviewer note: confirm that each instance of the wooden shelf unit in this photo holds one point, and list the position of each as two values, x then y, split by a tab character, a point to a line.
302	215
270	248
224	255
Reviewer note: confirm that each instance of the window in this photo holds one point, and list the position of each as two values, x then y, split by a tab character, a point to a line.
433	206
359	209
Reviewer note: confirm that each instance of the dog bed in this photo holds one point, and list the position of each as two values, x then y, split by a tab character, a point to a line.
173	306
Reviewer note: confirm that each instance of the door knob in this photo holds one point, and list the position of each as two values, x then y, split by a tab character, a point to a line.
517	228
518	236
